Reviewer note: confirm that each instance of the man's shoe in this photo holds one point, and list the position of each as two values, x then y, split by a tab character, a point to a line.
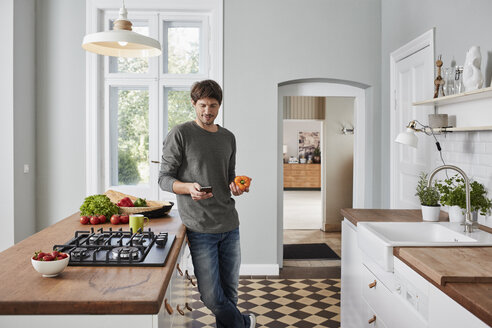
252	319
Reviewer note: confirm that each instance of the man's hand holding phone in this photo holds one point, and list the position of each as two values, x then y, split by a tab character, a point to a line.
198	192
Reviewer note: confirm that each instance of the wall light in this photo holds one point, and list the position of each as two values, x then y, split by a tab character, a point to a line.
408	137
121	41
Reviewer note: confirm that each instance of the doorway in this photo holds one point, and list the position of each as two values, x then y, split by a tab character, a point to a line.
362	139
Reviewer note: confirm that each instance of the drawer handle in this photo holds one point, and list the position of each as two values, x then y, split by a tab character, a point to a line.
179	310
188	307
189	278
168	307
372	284
372	319
179	269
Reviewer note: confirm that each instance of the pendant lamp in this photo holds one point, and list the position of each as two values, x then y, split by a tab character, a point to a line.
121	41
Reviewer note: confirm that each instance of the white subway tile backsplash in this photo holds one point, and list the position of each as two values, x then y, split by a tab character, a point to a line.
472	152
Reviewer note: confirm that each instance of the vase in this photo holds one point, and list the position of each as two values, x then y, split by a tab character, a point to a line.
431	213
456	214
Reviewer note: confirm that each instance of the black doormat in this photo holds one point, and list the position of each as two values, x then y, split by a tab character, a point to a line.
309	251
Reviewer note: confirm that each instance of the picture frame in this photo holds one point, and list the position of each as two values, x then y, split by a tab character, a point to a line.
308	141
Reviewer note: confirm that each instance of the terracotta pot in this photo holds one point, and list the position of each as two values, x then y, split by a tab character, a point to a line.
317	159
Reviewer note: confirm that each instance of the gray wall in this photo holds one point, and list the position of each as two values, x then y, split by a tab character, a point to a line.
60	82
268	42
459	25
17	197
7	130
24	118
338	160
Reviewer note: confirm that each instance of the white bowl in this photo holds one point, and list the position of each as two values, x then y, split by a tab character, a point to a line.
50	268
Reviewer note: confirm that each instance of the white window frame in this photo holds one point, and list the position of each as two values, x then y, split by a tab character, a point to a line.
144	190
97	109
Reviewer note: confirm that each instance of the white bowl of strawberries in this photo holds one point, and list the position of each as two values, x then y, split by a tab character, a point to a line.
50	264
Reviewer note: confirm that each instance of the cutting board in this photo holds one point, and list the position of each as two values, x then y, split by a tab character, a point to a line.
450	264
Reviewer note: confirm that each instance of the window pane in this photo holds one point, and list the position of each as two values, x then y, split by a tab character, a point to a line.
129	135
183	48
179	107
131	65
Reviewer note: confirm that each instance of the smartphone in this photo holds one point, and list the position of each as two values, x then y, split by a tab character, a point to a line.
206	189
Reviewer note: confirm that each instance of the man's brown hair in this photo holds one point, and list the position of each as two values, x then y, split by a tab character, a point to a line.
206	89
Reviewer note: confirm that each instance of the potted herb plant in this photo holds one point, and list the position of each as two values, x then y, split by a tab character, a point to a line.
453	195
429	199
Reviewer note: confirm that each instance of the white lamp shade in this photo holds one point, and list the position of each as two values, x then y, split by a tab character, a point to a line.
408	137
109	44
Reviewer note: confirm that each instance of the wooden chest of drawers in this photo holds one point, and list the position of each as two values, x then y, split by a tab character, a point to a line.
302	175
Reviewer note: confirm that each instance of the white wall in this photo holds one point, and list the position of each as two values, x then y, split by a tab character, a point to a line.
459	25
291	133
7	130
60	82
269	42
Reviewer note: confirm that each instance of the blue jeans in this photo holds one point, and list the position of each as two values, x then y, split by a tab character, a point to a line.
216	259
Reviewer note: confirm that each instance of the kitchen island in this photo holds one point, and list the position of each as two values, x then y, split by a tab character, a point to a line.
88	296
408	297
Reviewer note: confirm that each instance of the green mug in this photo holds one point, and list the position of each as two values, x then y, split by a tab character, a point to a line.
138	221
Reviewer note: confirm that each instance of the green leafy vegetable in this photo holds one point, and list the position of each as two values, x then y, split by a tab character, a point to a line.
141	202
98	205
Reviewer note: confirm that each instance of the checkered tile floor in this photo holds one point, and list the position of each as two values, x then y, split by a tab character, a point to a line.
279	303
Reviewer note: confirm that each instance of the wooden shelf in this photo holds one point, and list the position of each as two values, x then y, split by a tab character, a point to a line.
461	129
453	99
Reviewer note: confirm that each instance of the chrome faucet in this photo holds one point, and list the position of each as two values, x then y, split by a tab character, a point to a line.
468	221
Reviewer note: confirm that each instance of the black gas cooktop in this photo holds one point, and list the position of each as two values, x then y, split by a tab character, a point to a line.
118	248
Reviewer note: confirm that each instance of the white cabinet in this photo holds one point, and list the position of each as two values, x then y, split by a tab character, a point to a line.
445	312
352	313
400	299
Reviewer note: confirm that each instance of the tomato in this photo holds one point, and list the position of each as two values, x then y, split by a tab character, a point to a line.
41	255
84	219
102	218
63	255
59	258
48	257
124	219
115	219
55	253
94	220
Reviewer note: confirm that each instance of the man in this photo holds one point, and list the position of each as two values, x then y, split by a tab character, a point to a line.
196	154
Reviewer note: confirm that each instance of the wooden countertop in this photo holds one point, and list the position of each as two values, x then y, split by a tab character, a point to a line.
84	290
355	215
475	297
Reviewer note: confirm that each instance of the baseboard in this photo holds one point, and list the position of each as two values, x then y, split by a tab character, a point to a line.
259	270
332	227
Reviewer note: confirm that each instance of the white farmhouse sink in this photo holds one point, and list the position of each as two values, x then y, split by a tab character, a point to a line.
377	239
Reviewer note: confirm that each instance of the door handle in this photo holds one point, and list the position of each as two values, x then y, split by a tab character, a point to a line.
372	319
372	284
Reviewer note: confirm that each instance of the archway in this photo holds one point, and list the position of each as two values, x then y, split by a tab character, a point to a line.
363	137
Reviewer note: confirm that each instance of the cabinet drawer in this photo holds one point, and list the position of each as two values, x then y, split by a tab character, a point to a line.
375	293
373	319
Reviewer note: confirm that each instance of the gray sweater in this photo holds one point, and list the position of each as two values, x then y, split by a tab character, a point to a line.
192	154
